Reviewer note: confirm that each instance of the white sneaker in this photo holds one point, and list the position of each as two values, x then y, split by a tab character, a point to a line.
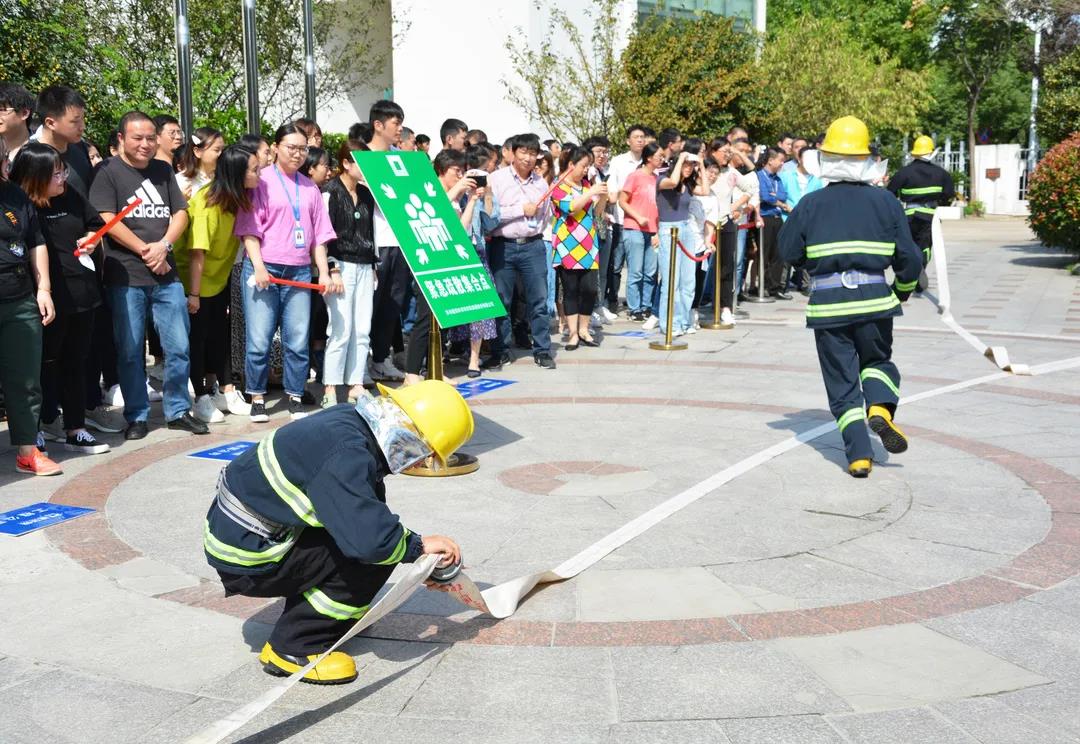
726	317
608	315
114	397
651	322
107	420
596	320
153	395
676	333
385	370
691	329
206	411
231	402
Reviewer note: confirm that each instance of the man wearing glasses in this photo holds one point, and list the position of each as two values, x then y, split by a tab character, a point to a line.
170	138
15	106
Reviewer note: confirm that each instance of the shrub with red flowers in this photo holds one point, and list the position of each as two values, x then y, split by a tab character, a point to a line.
1054	196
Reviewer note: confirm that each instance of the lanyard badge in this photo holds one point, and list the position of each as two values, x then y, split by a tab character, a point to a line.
299	237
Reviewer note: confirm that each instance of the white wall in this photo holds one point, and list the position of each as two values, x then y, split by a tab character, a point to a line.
449	60
1001	195
339	114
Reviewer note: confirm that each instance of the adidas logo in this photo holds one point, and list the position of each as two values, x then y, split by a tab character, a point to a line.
153	206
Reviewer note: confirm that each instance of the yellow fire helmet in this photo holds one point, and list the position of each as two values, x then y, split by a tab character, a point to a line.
847	136
439	413
923	146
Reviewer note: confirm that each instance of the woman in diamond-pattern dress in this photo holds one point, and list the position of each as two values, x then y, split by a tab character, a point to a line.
574	248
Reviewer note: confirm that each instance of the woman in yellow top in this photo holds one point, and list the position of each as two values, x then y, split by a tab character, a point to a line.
204	259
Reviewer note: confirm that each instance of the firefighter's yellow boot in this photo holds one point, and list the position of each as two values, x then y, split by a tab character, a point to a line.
336	669
880	422
860	468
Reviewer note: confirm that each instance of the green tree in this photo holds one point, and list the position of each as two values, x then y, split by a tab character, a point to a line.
43	42
1059	103
686	74
571	95
902	28
814	71
975	39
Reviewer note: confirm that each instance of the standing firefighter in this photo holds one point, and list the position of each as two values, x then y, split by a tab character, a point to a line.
303	516
846	235
922	187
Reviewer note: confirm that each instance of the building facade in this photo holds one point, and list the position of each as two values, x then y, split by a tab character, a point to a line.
451	60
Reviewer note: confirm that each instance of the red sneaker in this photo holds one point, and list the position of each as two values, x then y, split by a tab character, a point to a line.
37	463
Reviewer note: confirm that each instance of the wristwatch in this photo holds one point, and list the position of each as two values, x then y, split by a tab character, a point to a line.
167	244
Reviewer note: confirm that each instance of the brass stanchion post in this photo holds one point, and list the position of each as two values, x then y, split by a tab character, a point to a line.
718	302
458	463
667	344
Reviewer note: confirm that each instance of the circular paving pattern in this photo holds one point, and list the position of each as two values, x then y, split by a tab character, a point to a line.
93	543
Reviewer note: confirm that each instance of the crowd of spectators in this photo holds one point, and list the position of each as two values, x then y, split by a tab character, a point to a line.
187	290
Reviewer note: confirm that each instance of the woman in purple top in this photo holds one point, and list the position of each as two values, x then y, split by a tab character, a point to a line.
286	228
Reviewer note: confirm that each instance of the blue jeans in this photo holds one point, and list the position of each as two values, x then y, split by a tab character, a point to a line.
531	260
640	269
550	280
264	311
614	270
684	275
168	310
740	260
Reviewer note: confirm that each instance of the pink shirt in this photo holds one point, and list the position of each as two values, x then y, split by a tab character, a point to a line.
271	217
641	187
513	194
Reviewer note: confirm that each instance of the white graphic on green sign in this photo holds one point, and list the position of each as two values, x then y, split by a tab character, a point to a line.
435	245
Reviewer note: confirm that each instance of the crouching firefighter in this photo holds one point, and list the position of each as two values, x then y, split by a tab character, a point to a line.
922	186
303	516
846	235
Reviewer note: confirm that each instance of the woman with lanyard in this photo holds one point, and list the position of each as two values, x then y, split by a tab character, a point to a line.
25	307
287	226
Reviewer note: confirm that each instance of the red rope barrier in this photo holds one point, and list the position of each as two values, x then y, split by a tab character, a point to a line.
291	283
93	239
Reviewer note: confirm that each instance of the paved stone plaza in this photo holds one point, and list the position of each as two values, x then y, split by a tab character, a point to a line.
938	601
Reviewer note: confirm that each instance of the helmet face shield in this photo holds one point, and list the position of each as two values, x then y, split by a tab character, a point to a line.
437	412
398	439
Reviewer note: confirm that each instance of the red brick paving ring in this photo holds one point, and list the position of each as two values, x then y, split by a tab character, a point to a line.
92	543
547	477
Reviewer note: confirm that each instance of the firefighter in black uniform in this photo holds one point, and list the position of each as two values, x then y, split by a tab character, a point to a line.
922	187
303	516
846	235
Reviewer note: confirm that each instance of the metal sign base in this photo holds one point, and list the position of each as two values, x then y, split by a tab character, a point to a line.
718	326
760	299
673	346
459	464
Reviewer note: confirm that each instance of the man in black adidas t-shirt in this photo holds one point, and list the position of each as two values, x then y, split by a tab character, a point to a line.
140	273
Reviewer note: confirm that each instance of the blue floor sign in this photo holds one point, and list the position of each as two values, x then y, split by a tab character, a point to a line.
631	334
476	387
224	452
35	516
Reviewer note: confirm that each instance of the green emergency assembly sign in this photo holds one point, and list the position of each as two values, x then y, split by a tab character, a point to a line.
436	246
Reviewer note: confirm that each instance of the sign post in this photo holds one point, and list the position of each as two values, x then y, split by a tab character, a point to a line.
435	245
441	256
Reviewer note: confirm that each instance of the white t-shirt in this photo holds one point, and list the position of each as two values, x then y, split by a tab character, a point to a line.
702	209
195	183
619	170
